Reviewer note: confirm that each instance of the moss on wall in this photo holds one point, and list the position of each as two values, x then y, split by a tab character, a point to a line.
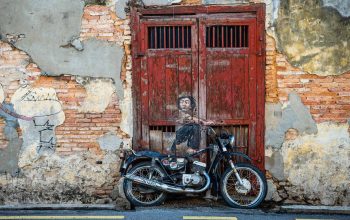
314	37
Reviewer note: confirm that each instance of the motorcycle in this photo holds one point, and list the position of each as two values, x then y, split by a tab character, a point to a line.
149	176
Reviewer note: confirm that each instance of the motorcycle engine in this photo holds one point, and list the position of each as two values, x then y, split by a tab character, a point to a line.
195	178
192	179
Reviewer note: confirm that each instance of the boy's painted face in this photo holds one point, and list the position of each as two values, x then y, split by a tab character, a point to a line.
185	104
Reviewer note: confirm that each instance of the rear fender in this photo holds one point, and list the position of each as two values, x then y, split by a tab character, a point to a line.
131	161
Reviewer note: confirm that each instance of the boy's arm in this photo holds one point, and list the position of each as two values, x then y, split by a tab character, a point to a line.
14	114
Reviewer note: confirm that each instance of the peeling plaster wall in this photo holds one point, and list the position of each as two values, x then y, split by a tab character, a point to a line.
64	69
313	37
316	167
76	178
306	53
280	118
307	109
99	94
47	30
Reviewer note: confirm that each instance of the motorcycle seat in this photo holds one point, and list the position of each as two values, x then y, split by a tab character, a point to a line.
151	154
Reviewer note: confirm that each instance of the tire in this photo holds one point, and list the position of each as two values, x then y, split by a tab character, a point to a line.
249	196
140	195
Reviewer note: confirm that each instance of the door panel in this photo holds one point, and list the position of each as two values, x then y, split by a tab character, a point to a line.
227	83
168	70
169	76
228	90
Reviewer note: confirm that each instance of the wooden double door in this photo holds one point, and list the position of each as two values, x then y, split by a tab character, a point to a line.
212	57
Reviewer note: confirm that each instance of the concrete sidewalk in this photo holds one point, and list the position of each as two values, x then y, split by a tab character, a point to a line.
308	209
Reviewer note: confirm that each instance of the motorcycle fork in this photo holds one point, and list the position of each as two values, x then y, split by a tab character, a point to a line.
235	172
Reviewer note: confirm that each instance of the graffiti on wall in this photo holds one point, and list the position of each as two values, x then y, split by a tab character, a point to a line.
42	106
47	139
38	107
43	120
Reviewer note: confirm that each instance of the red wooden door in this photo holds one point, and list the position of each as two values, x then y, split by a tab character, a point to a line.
216	58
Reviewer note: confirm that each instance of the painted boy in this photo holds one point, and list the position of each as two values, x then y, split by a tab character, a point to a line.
190	130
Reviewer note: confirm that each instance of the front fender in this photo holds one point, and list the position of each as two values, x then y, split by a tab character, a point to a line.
237	154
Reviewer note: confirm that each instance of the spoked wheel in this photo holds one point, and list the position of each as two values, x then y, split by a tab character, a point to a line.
247	195
140	195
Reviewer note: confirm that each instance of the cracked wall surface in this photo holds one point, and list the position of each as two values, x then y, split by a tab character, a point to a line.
292	155
76	58
47	29
313	37
281	118
64	68
327	153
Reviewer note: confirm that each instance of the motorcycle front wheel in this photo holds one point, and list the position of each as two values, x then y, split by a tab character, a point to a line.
251	193
140	195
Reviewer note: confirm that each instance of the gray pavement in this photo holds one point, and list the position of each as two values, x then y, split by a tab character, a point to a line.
175	209
166	213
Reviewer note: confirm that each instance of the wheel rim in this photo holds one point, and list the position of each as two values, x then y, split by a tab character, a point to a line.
249	193
144	194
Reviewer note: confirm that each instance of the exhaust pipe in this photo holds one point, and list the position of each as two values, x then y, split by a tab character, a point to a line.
165	187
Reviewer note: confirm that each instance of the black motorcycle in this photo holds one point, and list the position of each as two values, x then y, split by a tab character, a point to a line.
150	176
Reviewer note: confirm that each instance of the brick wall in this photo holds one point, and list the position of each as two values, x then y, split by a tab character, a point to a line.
80	131
271	71
328	97
102	23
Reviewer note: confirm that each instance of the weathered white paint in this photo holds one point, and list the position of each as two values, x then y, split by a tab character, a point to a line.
38	134
2	94
125	105
98	94
109	142
318	165
70	179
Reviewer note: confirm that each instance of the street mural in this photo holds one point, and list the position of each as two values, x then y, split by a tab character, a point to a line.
44	118
43	106
189	130
37	111
190	126
9	154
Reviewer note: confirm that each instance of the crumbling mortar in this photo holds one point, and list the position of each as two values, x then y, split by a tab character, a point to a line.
285	187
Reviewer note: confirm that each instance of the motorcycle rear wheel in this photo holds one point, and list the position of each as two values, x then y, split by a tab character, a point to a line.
140	195
253	191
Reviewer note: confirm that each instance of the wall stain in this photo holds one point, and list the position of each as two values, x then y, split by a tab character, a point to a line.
313	37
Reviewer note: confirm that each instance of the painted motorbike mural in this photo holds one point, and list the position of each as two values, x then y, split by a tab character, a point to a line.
150	176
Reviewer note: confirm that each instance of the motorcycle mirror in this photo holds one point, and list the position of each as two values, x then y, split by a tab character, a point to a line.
231	140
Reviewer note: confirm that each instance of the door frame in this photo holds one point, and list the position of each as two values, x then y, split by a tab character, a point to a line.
257	9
